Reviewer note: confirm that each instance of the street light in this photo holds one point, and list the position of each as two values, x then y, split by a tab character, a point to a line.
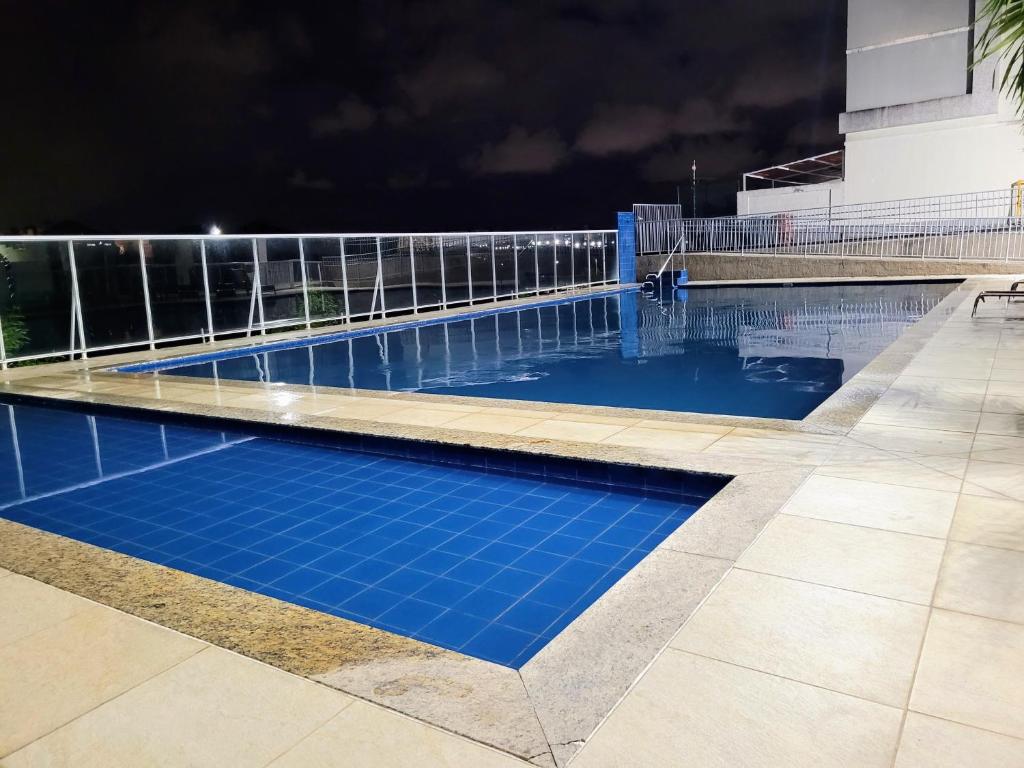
215	230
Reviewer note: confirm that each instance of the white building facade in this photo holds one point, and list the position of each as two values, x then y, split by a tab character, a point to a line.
920	120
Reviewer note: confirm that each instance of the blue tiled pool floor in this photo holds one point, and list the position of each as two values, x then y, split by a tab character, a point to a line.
492	558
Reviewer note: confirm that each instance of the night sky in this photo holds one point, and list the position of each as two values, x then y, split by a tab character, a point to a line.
398	116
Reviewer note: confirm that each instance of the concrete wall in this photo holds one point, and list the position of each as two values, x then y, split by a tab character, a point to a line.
935	158
906	51
730	266
790	198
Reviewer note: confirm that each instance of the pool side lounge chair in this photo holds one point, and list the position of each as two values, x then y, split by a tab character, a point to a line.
1010	294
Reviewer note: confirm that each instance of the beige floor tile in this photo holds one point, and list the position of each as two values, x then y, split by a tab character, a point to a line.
593	418
876	562
685	426
894	470
56	674
1011	424
365	410
1004	397
215	709
970	671
845	641
810	438
372	736
1003	372
1007	479
954	421
27	606
1002	448
982	580
692	711
941	393
487	421
423	417
662	439
988	521
875	505
796	450
580	431
929	742
931	442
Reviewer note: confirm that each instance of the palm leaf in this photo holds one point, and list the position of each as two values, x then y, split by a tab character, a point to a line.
1002	36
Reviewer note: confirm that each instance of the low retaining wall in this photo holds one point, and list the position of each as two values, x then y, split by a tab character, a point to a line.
731	266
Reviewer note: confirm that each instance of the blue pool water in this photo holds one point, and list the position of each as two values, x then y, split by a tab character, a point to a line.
749	351
484	553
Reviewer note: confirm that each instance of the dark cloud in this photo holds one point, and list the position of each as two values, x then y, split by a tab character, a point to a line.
521	152
151	116
352	114
300	180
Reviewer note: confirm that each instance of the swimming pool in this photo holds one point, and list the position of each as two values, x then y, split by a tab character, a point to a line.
770	351
486	553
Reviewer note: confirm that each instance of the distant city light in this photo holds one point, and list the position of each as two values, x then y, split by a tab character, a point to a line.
215	230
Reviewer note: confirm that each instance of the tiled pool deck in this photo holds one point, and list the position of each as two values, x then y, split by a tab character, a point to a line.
853	598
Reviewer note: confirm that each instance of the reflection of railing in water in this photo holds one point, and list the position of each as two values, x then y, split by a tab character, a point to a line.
95	460
508	345
775	328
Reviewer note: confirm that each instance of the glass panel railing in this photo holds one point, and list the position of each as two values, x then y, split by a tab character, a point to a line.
174	272
361	270
35	299
427	255
325	278
481	267
280	280
230	270
110	289
396	265
505	265
456	268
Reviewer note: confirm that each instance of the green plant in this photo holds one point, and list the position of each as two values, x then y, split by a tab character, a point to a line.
322	304
15	331
1002	35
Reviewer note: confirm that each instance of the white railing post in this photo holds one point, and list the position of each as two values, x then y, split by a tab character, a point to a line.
494	272
554	257
515	264
536	261
76	301
305	287
444	282
589	272
256	300
206	289
344	279
412	267
145	295
469	268
380	281
572	260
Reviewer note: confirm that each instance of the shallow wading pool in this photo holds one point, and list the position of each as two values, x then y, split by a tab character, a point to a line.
488	553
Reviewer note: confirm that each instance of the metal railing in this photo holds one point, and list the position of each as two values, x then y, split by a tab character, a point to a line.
657	229
881	228
971	239
992	203
66	296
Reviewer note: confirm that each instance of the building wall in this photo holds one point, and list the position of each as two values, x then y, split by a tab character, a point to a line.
906	51
764	201
934	158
